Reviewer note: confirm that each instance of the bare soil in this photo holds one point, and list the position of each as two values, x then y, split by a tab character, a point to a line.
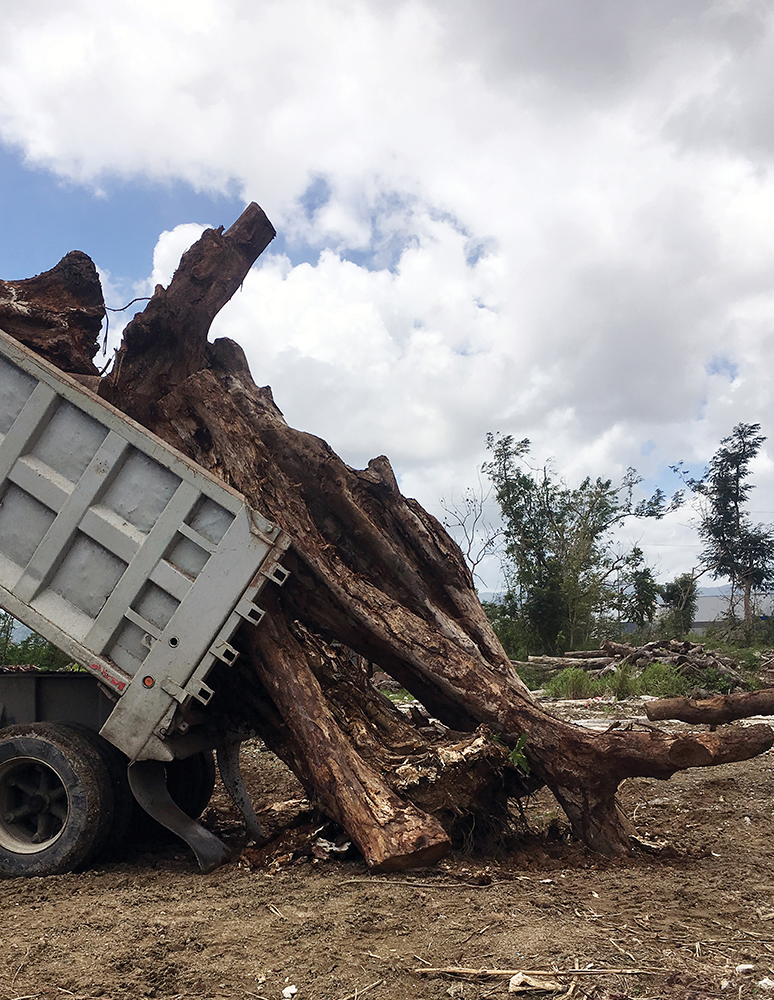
693	919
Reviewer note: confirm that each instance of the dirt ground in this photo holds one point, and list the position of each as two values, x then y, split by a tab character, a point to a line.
694	920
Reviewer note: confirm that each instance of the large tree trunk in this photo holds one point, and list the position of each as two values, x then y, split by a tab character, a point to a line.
370	569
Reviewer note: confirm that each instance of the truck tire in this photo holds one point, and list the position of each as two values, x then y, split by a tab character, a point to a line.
56	800
123	800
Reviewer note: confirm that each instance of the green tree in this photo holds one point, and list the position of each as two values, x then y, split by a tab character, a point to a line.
7	623
509	623
681	598
561	566
734	547
43	654
643	600
633	596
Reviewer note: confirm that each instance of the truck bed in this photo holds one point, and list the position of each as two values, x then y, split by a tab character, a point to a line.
132	559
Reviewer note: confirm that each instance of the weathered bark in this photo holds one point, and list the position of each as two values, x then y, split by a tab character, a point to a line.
167	342
389	832
712	711
58	314
465	780
371	569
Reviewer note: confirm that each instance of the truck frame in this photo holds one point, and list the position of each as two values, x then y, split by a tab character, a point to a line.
140	565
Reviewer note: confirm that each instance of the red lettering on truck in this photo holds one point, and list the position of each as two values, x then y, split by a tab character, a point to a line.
120	685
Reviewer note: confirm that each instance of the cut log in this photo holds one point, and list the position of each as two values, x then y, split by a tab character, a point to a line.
563	662
619	648
712	711
372	570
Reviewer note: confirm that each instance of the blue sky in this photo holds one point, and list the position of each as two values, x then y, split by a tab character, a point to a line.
491	216
43	217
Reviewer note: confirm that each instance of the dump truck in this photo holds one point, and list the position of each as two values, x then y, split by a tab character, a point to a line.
140	566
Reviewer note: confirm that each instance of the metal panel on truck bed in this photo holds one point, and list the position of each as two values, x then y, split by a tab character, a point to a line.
121	551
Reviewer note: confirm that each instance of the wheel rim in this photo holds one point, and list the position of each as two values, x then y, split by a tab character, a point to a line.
33	805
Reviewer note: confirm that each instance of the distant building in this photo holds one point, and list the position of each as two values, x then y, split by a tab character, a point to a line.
713	604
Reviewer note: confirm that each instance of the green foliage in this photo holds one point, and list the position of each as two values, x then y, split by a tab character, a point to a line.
36	650
681	598
573	683
565	578
643	596
399	696
712	680
509	625
7	623
622	684
516	756
534	676
661	680
734	547
658	679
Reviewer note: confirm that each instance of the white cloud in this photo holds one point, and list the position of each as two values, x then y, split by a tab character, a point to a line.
553	220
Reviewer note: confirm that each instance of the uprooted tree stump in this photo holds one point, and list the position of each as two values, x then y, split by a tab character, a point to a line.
373	571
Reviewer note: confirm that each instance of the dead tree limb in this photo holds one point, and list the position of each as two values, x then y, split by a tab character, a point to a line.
167	342
390	832
712	711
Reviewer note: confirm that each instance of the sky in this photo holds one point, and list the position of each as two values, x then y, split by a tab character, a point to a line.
548	219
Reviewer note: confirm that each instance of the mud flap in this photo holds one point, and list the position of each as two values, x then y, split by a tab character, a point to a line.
148	781
228	765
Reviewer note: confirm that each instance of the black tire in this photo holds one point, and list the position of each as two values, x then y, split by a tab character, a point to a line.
123	800
56	800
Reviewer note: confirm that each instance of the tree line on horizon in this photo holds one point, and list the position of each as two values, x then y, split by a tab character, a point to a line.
569	586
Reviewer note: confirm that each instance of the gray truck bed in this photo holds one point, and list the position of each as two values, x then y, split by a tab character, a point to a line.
121	551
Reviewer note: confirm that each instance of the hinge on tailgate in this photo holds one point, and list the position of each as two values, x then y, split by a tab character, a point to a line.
277	574
194	689
249	611
224	651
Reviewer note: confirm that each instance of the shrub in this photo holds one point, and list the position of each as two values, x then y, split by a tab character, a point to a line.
662	681
573	683
623	683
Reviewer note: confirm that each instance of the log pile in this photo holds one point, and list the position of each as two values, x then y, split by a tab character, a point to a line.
371	571
690	658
